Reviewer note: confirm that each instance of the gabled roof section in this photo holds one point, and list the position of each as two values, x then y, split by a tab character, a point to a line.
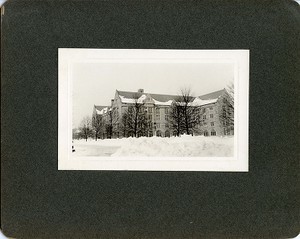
99	107
100	110
213	95
159	99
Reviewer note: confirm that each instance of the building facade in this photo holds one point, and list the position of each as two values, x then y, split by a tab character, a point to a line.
157	109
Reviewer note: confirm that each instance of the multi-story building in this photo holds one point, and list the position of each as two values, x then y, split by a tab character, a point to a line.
158	106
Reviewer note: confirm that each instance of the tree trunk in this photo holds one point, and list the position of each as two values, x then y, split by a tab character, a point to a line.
186	125
135	126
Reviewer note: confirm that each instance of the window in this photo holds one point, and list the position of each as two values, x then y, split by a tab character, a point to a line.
150	117
211	108
166	117
212	123
206	133
204	116
157	111
213	133
149	109
166	111
203	110
211	115
157	125
167	125
157	117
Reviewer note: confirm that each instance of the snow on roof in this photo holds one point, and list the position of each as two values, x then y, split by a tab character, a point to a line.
142	99
199	102
208	98
158	97
132	97
101	111
167	103
99	107
166	100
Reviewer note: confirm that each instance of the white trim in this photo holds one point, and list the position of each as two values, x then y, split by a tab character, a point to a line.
240	59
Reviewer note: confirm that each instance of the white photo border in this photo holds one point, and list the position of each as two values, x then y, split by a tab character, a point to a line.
239	163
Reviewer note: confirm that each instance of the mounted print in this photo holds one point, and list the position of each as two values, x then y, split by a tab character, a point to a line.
153	110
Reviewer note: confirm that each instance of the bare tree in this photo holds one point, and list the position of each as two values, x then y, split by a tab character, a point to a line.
190	112
176	118
109	125
226	109
135	121
98	125
86	128
75	133
124	124
185	116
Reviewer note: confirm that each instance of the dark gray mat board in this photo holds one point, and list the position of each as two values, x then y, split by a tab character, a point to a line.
38	201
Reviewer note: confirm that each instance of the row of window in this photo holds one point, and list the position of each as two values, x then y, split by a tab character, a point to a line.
157	117
205	123
210	116
158	125
212	133
157	110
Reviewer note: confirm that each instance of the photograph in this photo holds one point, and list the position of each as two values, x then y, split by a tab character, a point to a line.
151	105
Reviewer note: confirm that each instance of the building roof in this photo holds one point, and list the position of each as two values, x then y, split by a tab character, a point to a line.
161	99
100	110
99	107
212	95
158	97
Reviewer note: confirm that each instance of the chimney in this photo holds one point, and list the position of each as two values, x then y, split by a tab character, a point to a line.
140	90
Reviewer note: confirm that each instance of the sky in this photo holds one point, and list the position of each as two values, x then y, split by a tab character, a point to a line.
96	83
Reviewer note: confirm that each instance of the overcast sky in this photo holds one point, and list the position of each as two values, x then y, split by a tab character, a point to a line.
96	83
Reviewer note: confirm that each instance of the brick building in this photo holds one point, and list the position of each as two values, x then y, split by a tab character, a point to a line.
158	109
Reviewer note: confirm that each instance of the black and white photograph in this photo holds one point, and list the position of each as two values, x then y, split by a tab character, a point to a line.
153	106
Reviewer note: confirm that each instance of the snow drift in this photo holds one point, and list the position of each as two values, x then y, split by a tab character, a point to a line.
184	146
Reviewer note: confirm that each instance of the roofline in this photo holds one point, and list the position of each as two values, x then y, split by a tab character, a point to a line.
145	93
212	92
224	89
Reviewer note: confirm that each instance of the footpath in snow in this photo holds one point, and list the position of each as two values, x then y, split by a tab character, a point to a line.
184	146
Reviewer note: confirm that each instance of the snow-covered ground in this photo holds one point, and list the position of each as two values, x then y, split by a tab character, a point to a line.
184	146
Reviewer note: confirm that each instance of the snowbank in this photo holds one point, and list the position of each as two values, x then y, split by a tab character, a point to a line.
184	146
